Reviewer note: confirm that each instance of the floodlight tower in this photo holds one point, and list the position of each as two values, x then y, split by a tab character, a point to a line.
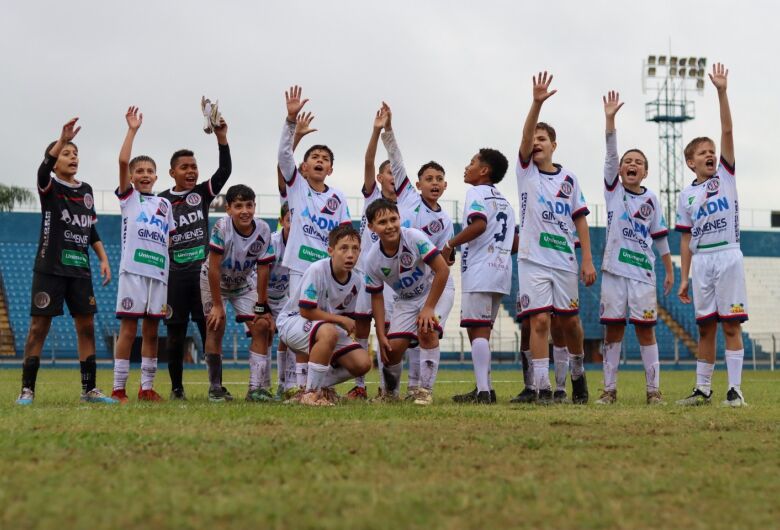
671	78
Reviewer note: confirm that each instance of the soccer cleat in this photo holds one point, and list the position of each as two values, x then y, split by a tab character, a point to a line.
293	395
211	114
608	397
120	395
96	396
25	397
330	394
654	397
149	395
734	398
279	396
486	397
385	397
471	397
259	395
177	394
315	398
411	393
423	397
696	398
357	393
220	395
560	396
545	397
579	390
528	395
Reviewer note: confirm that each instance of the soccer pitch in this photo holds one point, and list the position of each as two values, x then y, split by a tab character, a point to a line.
239	465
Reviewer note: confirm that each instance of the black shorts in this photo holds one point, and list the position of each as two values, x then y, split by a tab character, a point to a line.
50	291
184	297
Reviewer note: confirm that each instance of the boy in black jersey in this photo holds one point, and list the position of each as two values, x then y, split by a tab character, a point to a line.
61	271
188	248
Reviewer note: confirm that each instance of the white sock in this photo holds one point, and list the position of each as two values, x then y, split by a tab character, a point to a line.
429	366
336	376
256	365
652	366
611	363
393	374
121	371
577	364
301	372
360	381
316	376
480	356
704	376
734	360
265	372
413	378
528	373
148	371
380	367
290	378
541	374
561	358
281	367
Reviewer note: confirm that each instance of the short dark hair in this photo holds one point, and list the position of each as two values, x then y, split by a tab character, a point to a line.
496	161
142	158
340	232
429	165
179	154
239	192
319	147
380	205
284	210
547	128
693	144
383	165
48	147
635	150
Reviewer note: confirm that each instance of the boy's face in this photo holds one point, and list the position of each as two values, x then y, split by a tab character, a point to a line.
143	176
286	222
632	169
476	172
431	184
704	162
242	212
317	166
387	226
345	253
386	181
67	164
185	173
543	147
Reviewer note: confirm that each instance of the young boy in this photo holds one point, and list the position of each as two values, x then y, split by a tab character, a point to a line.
61	272
634	225
188	248
407	261
237	269
278	294
486	262
552	208
708	217
147	222
317	322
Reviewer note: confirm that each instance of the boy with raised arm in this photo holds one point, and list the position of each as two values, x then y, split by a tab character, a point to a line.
407	261
147	222
708	217
189	248
61	272
552	208
635	224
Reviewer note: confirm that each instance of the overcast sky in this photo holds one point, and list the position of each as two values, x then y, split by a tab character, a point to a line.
457	75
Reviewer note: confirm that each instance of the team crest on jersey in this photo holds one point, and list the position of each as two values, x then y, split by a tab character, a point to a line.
374	238
645	210
525	301
162	209
567	188
348	299
89	202
713	186
41	299
127	303
256	246
307	326
434	227
737	308
406	261
193	199
331	205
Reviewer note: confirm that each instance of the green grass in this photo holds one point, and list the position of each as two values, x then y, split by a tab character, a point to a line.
200	465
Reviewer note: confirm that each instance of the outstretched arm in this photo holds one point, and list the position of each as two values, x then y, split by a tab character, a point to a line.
69	132
294	104
369	166
134	120
612	105
541	93
719	78
394	153
302	128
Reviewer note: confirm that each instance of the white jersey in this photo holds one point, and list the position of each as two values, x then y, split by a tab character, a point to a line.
549	204
486	263
367	237
147	222
321	290
710	212
313	214
240	254
279	280
407	271
634	222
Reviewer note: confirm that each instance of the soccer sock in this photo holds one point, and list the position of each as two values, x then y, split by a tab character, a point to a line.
360	380
335	376
611	363
704	375
281	367
121	371
290	378
734	360
561	358
480	357
316	377
413	379
393	377
577	363
429	367
148	371
265	372
214	365
301	373
652	366
30	372
175	349
528	372
542	373
256	364
381	369
88	374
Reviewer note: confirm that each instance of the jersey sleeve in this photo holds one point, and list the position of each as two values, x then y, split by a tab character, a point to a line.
125	195
658	228
44	174
94	237
285	156
169	218
221	175
475	207
725	170
217	239
269	256
373	282
683	221
579	206
402	186
611	163
311	288
523	169
344	217
425	248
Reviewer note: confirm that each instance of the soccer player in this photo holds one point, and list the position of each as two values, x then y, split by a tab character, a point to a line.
486	262
278	294
61	272
189	247
237	269
635	225
708	217
407	261
317	322
147	221
552	208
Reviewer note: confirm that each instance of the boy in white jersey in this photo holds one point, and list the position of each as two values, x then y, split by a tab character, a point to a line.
708	217
410	264
486	262
237	269
634	225
552	208
278	291
318	322
147	222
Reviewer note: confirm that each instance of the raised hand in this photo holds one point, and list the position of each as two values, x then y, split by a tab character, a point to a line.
294	103
303	124
220	131
389	115
719	76
69	130
380	120
612	104
541	87
134	118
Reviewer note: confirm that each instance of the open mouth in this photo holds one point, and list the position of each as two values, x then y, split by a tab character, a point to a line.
536	150
631	173
73	165
710	164
318	167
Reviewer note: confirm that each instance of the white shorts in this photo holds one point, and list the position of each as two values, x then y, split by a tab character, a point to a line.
299	333
243	302
295	283
403	323
479	310
544	289
617	292
718	280
277	306
140	297
363	309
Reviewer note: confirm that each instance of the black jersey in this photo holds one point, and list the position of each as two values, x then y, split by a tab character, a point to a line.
189	245
67	225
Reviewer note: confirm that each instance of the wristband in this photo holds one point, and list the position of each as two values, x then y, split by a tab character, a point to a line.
262	309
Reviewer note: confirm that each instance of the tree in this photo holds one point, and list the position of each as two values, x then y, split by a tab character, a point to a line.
11	196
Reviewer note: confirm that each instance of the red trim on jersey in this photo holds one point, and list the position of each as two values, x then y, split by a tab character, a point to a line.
567	311
122	195
707	318
343	351
683	228
218	250
374	290
476	214
728	167
530	312
431	255
475	323
365	193
289	183
307	304
402	335
611	187
643	323
267	260
734	316
313	332
659	235
579	213
402	187
524	165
